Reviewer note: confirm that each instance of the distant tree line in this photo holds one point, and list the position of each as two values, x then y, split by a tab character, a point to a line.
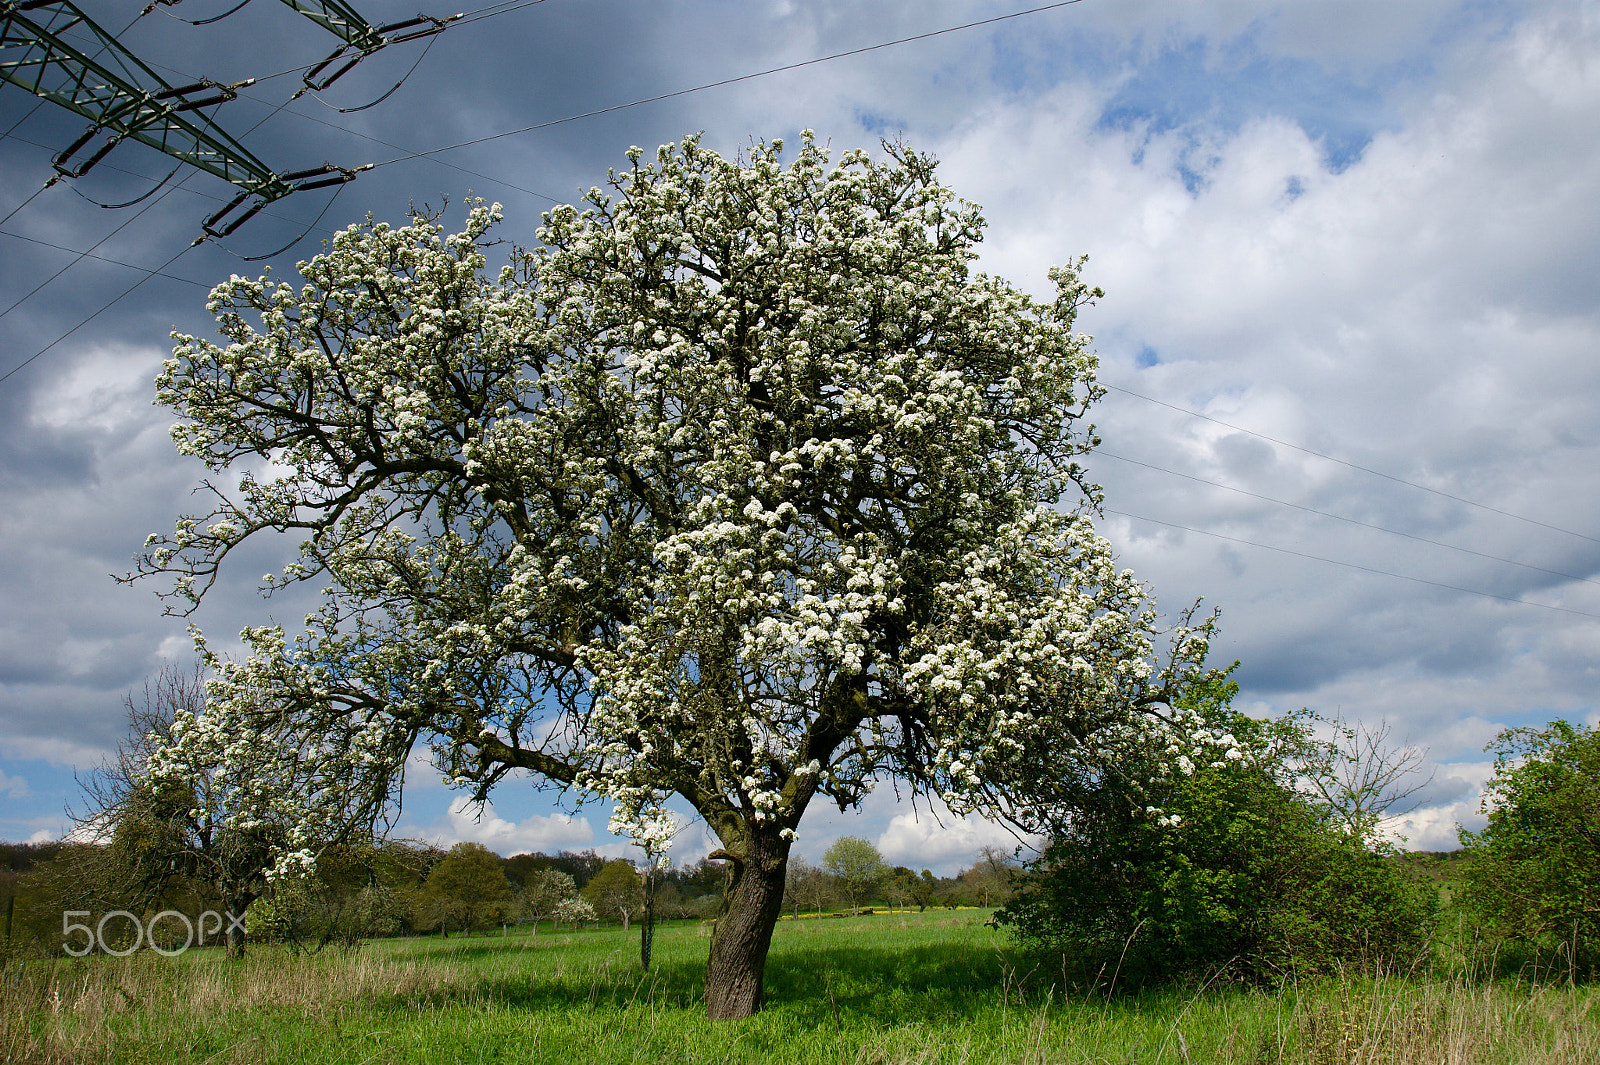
854	875
392	888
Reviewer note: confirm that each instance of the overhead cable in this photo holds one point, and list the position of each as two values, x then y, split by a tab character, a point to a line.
1352	465
730	81
98	258
1353	565
304	233
387	144
159	271
1349	521
19	301
360	37
130	173
494	10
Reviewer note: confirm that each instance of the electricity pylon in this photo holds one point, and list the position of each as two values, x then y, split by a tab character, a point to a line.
360	37
134	101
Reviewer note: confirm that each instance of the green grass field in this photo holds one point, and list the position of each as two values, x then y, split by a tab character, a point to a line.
934	987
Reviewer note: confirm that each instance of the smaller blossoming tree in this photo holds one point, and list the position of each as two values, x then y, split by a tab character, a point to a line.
172	814
543	894
573	911
743	486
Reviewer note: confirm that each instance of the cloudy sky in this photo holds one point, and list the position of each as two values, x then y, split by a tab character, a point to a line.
1351	256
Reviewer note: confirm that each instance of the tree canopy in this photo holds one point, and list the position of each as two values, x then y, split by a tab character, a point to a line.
469	889
1533	873
616	892
741	486
858	866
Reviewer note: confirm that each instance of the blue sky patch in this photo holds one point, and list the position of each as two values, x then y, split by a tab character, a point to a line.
879	125
1224	86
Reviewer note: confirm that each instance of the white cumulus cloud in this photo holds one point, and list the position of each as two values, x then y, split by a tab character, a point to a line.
466	822
918	840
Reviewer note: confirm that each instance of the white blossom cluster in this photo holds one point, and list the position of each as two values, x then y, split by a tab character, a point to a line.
740	486
250	769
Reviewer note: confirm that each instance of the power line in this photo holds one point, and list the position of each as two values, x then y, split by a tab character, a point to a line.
219	199
160	270
505	8
100	258
1350	521
1351	465
81	256
469	16
391	91
24	203
479	14
732	81
304	233
360	37
489	12
1353	565
123	98
267	212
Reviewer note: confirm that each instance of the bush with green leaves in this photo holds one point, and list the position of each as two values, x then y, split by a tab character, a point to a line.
1227	869
1532	876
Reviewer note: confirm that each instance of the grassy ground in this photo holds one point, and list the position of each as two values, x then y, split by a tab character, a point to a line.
933	987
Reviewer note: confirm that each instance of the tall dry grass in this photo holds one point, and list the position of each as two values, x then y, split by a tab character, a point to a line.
1454	1022
72	1010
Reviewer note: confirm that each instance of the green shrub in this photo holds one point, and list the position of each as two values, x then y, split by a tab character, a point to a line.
1532	876
1253	879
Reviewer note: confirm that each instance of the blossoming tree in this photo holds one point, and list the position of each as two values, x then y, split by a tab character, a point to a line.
741	487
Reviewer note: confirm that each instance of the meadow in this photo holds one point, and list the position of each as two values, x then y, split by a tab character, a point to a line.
936	987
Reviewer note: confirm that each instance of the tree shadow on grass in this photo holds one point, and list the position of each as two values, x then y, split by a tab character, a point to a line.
889	985
822	986
611	980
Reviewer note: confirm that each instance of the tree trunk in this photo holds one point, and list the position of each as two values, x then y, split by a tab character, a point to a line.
752	902
647	931
235	902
